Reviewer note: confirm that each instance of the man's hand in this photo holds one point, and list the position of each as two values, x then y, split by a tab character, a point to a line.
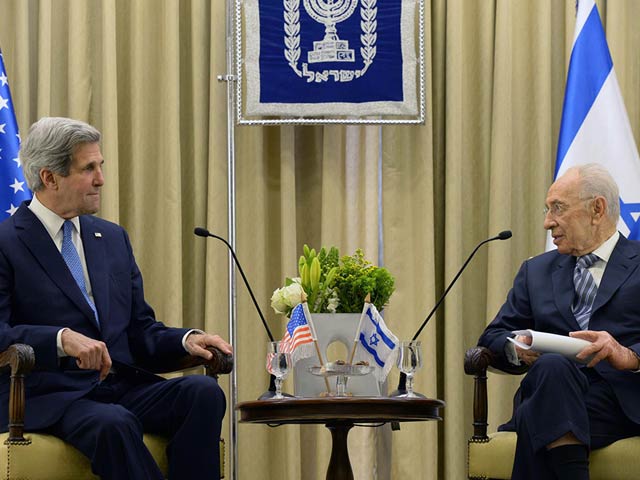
197	343
90	354
526	356
605	347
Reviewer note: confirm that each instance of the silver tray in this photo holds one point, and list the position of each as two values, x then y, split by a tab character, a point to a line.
345	370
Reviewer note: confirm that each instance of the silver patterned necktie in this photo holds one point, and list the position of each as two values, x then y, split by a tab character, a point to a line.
72	259
585	288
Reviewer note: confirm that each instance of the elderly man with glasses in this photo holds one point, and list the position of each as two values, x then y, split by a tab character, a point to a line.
588	288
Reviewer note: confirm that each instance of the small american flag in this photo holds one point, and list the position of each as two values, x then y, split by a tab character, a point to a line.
298	338
13	189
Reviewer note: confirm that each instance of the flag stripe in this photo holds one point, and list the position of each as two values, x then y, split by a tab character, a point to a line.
380	332
300	338
583	86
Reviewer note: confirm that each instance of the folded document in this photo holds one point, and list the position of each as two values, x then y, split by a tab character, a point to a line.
551	343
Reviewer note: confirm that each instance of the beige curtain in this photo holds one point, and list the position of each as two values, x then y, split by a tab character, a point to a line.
144	72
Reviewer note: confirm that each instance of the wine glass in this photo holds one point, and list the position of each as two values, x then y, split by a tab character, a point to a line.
278	365
409	362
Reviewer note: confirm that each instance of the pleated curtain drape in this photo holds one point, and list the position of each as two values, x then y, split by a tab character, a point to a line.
144	73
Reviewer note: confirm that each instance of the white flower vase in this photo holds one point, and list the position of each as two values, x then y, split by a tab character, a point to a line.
330	328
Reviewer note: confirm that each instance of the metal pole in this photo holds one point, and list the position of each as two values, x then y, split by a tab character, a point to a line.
230	79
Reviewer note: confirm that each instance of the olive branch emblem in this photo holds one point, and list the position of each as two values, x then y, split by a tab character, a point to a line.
368	38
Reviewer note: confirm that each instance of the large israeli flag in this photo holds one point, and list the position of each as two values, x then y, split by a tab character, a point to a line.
595	127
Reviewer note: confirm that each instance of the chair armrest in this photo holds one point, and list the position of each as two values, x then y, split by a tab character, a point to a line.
20	359
476	362
220	364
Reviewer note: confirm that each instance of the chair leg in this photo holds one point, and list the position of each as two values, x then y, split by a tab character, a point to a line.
222	456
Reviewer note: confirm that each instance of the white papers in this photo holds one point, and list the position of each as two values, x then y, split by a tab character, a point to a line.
551	343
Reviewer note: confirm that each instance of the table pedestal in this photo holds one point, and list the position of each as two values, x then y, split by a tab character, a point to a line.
339	463
339	414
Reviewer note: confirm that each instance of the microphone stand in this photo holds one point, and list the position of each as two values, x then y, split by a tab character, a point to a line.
203	232
402	382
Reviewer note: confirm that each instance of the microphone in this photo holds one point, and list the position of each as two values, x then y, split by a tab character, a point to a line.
504	235
203	232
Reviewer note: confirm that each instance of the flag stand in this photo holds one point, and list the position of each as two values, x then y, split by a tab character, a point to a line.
307	314
356	340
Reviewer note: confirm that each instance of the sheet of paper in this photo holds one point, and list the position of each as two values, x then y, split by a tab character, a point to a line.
551	343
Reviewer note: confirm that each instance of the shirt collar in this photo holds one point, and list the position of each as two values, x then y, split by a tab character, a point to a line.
51	220
604	251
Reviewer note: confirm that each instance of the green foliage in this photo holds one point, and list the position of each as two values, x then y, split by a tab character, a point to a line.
355	278
331	284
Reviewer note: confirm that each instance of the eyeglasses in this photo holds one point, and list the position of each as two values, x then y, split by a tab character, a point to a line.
558	209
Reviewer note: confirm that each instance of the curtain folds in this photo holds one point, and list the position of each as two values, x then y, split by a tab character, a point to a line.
144	72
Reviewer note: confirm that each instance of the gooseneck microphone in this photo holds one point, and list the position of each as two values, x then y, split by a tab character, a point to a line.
504	235
203	232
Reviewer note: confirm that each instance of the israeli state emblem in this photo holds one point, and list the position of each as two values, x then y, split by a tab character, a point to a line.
330	49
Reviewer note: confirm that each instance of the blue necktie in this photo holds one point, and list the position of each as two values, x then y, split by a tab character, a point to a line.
72	259
586	289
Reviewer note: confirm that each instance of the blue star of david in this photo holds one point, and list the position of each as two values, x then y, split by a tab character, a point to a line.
373	339
626	209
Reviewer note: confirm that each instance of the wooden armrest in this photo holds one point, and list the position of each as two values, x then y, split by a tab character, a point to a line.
476	362
20	359
220	363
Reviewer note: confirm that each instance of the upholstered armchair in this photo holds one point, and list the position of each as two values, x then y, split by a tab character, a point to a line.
491	456
36	456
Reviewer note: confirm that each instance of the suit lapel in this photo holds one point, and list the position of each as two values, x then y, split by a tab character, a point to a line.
622	263
563	290
35	237
95	256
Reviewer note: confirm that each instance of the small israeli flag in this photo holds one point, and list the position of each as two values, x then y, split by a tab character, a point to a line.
379	343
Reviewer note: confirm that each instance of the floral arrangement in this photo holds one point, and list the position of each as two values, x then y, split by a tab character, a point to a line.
331	284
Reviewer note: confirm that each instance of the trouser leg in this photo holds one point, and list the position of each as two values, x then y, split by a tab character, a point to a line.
189	410
111	437
553	404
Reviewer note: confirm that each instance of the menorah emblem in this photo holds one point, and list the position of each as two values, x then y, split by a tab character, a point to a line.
330	13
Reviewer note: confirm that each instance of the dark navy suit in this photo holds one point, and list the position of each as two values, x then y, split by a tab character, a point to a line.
38	296
598	405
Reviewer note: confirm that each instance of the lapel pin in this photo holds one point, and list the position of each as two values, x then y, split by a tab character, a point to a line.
97	235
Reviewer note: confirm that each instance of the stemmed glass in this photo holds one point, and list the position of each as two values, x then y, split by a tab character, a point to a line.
409	362
278	365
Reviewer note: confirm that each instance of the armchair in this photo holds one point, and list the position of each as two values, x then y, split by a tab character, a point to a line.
491	456
36	456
